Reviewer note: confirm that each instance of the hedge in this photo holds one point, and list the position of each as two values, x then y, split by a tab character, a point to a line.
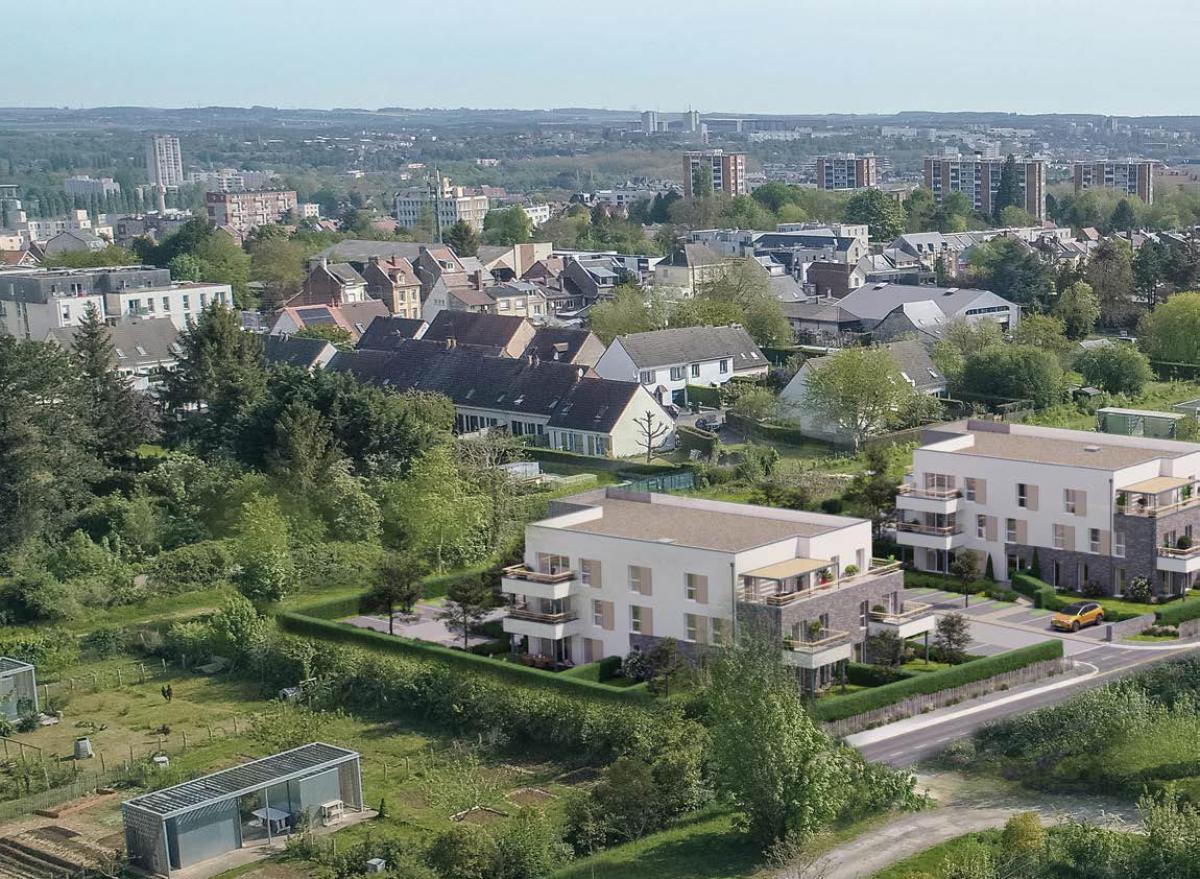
302	624
944	582
840	707
600	670
333	608
705	396
1167	370
778	433
689	438
864	674
1179	612
1045	596
591	462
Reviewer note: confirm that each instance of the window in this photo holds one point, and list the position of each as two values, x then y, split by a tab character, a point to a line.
134	305
589	573
969	489
695	587
646	376
1010	530
864	613
981	527
1022	494
203	300
1068	500
186	301
1060	537
1118	544
166	303
690	626
677	373
724	367
1093	540
598	614
66	314
635	619
639	580
695	370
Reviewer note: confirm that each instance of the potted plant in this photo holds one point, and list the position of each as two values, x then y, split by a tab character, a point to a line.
1184	542
825	576
851	570
814	630
1122	499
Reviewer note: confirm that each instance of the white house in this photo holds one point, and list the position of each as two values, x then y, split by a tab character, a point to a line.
180	302
667	361
612	570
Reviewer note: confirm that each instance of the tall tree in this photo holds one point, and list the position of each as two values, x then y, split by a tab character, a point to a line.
120	417
1110	272
1148	267
858	390
468	601
462	238
882	214
1008	193
1171	332
631	310
1124	218
397	584
265	570
305	453
1079	308
507	226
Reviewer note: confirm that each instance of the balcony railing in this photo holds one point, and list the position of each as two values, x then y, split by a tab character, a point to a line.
523	572
523	612
817	641
1176	553
879	567
935	530
1133	508
909	611
933	494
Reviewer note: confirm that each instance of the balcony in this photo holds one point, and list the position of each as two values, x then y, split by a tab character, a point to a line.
528	620
1179	561
786	588
923	536
823	647
913	618
939	501
523	580
1156	497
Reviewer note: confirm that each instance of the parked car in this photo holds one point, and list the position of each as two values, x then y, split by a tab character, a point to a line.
1075	616
712	422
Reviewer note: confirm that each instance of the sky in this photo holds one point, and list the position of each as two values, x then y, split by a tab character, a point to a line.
766	56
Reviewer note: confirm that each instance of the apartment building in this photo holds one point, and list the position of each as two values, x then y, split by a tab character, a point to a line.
164	161
728	171
1098	509
1133	176
612	570
85	186
846	171
31	230
978	178
447	206
242	212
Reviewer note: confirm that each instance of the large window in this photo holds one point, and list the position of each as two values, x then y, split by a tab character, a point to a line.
639	580
695	587
589	572
646	376
1022	494
1118	544
1093	540
1060	537
677	373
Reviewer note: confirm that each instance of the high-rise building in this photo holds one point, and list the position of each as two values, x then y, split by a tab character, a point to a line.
650	122
691	121
728	171
445	207
846	171
164	161
978	178
1133	176
84	185
245	211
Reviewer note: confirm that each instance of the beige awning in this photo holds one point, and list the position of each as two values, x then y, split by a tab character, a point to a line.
790	568
1156	485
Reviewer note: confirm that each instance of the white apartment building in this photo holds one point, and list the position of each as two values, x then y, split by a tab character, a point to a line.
1097	508
164	161
612	570
84	185
180	302
667	361
45	228
453	203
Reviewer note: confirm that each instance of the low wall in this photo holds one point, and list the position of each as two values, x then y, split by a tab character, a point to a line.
926	702
1125	628
1189	628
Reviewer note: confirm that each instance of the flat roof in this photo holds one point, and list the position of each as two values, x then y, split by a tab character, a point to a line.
1066	451
790	568
1148	413
682	525
239	780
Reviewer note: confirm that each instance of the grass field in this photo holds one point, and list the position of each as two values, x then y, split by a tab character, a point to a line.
1159	396
929	862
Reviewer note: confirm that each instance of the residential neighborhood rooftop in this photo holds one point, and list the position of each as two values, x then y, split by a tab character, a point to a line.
692	344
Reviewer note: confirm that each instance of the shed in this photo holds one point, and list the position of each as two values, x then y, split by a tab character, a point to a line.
18	688
178	827
1138	422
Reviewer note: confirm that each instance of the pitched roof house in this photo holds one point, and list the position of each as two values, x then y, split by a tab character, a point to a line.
353	317
386	333
143	348
333	284
393	281
891	311
298	351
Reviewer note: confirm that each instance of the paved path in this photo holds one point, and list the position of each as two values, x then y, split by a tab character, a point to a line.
964	807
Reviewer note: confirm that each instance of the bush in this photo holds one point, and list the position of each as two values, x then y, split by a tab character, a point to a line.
833	506
1179	612
841	707
1139	590
105	642
865	675
196	566
336	565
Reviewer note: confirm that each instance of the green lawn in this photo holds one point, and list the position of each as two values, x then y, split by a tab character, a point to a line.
929	862
1121	605
1156	396
1152	638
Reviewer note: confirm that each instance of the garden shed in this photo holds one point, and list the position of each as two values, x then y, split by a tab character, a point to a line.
1138	422
181	826
18	688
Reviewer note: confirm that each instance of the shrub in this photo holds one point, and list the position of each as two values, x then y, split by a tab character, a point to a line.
196	566
850	571
852	704
1179	612
105	642
832	505
1139	590
336	565
1094	589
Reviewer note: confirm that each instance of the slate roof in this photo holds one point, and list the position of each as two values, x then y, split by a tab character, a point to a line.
826	312
297	351
141	341
692	345
876	301
345	274
488	332
564	393
385	333
557	343
361	250
915	363
694	255
783	240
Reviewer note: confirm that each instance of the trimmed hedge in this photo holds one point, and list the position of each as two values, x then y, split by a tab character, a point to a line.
600	670
688	438
333	608
1179	612
302	624
944	582
1166	370
591	462
437	585
853	704
710	397
1045	596
778	433
866	675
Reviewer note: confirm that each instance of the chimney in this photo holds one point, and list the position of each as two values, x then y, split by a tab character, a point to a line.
477	277
579	373
374	260
451	342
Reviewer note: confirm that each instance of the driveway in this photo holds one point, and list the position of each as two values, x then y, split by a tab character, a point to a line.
423	625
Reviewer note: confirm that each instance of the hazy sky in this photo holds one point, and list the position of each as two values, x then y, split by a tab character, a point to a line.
779	56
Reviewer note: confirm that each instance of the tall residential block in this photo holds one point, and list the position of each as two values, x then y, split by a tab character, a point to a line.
1133	176
978	178
164	161
245	211
846	171
728	171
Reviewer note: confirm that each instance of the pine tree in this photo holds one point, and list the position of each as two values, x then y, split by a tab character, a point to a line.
1008	193
114	407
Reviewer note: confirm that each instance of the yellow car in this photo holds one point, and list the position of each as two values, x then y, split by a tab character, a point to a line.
1075	616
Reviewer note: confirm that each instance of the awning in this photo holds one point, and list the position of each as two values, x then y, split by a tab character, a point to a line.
1156	485
790	568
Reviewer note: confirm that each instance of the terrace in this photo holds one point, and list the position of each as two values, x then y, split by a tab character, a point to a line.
1157	497
796	580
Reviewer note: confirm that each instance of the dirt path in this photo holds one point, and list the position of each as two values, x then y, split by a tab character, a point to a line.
965	806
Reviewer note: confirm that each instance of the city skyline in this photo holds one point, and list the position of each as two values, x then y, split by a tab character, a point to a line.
902	59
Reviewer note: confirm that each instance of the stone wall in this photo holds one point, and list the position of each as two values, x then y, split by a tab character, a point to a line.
1125	628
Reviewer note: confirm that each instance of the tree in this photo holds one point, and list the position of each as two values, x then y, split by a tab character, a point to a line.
48	460
1010	268
1013	372
1042	331
185	267
507	226
278	264
1172	331
1110	272
650	431
265	571
743	292
965	567
952	637
481	461
665	661
752	401
858	390
120	417
464	851
961	338
397	585
1008	193
462	238
1124	217
1148	267
882	214
702	181
1117	369
305	454
884	648
941	275
875	486
1079	308
767	754
629	311
468	601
